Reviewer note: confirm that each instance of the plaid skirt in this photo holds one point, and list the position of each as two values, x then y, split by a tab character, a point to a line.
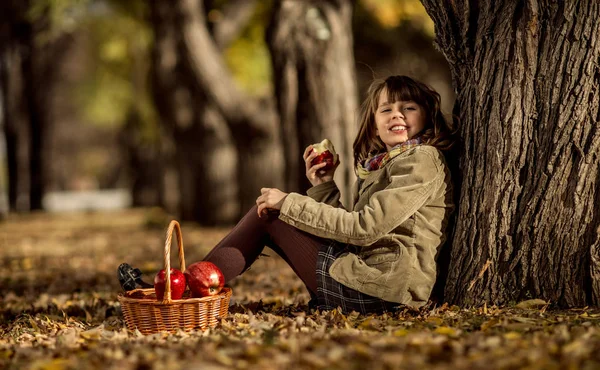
332	294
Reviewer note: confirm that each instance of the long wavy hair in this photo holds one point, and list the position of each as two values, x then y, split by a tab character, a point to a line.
438	131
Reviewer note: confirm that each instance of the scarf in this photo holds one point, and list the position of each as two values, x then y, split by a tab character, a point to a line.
379	160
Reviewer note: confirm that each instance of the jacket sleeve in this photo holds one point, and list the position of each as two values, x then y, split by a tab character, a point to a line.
327	193
412	180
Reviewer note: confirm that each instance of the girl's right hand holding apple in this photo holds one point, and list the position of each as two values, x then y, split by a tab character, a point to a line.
316	174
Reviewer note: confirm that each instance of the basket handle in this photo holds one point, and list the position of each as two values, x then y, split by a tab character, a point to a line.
174	225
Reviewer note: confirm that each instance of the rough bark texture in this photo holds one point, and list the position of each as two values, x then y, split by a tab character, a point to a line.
527	77
4	207
315	82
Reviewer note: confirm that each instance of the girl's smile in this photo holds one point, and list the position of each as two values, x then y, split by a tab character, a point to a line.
398	121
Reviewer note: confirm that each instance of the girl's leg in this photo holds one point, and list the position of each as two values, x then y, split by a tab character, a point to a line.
242	246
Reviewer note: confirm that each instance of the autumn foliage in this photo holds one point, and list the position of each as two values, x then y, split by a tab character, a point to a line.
59	310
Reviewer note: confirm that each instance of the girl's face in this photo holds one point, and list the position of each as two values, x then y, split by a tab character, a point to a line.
398	121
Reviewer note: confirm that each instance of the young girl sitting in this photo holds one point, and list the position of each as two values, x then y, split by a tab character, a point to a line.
380	252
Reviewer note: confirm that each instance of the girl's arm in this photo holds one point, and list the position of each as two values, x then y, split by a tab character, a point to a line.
412	180
327	193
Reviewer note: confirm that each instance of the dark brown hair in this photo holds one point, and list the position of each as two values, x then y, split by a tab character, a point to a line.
438	131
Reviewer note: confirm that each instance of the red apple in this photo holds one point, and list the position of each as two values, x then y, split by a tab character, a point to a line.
177	284
204	279
325	153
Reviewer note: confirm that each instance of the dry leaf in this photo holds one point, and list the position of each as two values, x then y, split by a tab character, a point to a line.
66	314
532	304
446	330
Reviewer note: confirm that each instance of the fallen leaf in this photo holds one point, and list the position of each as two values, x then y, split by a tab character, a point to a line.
488	324
446	330
532	304
512	335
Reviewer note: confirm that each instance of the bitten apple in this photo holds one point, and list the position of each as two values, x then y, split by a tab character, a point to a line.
204	279
178	282
325	153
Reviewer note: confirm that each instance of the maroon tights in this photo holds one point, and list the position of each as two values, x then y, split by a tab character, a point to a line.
242	246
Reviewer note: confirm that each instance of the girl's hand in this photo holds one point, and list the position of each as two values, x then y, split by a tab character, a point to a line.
315	174
270	198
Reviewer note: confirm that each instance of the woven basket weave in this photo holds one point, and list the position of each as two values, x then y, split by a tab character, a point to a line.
144	312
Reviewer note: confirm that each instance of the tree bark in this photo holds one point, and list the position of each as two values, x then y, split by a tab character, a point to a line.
4	205
144	163
252	127
28	77
235	16
315	82
16	117
527	79
192	132
39	68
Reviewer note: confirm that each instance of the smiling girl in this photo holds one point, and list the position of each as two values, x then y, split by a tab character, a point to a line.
379	252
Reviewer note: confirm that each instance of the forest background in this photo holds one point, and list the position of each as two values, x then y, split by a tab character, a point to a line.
129	114
101	117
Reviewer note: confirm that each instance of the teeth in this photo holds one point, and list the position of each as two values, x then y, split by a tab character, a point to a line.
398	128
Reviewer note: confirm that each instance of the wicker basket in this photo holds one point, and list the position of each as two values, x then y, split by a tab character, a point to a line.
144	312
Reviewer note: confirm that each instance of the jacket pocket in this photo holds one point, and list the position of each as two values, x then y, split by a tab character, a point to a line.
378	255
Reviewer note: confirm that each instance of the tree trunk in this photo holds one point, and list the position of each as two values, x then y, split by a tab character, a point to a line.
16	122
235	16
252	127
29	76
528	94
143	161
315	82
202	194
4	205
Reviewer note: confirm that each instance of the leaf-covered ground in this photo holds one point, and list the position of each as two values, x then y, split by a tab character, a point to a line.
59	310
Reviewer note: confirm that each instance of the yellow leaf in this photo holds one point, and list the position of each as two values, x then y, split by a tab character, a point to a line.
435	320
400	333
223	358
34	325
55	364
575	348
446	330
532	304
361	349
370	324
511	335
524	320
488	324
92	334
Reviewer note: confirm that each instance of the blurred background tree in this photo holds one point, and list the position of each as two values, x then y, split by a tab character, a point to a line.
185	103
33	40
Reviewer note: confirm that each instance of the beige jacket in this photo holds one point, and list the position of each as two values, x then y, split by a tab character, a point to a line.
398	220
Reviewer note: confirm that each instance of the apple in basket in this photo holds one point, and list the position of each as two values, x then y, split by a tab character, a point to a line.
204	279
325	153
177	284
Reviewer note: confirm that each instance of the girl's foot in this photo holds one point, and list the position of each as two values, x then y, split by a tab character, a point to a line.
130	278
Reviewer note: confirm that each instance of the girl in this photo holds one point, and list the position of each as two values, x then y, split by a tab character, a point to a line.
380	252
